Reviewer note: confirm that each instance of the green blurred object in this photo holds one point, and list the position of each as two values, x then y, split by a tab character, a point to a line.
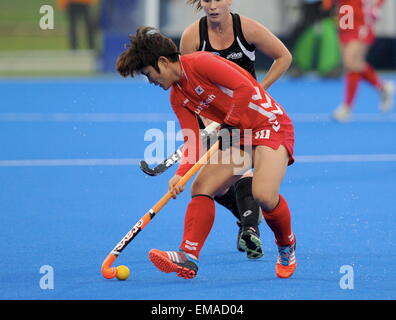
329	49
304	49
318	43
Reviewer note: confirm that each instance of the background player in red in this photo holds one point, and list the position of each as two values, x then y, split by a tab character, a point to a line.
204	83
356	33
236	38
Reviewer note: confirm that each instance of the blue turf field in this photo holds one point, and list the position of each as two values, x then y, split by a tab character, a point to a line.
69	214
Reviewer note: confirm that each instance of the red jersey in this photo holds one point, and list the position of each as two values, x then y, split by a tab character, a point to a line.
222	91
365	13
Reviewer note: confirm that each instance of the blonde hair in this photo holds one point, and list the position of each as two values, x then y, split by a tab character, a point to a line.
197	4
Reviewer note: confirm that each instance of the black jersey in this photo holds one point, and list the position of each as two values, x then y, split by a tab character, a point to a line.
240	52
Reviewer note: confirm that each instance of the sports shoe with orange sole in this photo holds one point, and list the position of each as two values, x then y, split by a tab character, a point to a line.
286	264
174	261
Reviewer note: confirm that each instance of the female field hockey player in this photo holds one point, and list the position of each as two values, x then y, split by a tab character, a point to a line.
356	34
219	90
236	38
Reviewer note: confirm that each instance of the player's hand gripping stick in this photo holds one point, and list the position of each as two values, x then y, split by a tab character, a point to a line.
108	271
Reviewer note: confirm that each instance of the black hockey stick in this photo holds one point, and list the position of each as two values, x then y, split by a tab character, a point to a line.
176	156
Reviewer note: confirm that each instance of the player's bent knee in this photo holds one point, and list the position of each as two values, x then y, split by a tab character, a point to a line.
199	187
196	187
267	200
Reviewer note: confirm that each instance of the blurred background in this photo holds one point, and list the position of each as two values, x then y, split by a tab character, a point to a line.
101	28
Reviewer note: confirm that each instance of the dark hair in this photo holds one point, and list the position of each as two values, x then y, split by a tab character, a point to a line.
197	4
144	49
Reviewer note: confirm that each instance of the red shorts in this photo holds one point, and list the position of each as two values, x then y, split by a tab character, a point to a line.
273	138
363	33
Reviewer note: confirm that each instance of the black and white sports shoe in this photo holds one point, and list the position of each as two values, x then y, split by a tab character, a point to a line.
249	241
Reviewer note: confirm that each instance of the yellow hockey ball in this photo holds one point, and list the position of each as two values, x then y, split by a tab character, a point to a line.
122	272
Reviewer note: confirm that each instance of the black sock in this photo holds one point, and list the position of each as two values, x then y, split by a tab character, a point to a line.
228	200
248	207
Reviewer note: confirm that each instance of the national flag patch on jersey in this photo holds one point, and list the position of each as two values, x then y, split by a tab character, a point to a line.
199	90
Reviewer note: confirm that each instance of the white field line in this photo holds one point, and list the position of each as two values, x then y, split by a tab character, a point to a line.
68	162
84	117
133	161
346	158
159	117
357	117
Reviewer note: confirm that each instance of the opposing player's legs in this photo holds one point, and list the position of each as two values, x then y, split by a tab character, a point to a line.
228	200
250	213
270	167
240	201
